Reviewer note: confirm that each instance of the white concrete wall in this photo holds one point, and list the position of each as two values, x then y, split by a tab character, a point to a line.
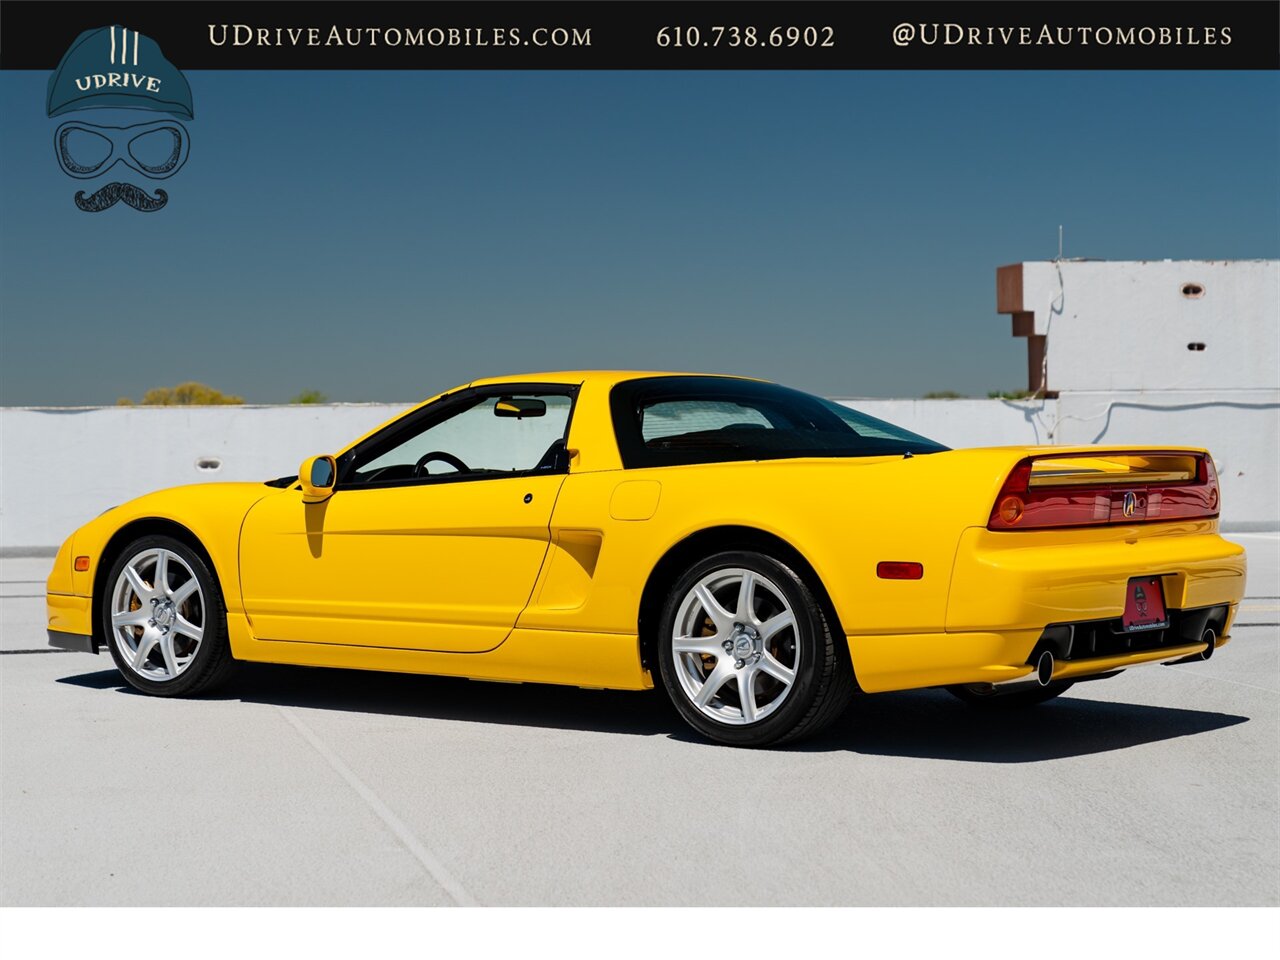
1125	325
60	467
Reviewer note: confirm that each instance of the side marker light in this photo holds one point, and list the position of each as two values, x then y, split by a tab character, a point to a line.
899	570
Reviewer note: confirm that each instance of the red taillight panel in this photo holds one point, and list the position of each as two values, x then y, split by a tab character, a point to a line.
1189	501
1022	506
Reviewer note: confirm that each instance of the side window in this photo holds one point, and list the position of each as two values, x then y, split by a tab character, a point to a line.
675	417
494	436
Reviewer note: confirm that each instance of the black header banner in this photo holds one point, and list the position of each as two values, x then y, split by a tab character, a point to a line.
688	35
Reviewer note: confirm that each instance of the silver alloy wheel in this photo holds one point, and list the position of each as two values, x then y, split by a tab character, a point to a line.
157	614
735	646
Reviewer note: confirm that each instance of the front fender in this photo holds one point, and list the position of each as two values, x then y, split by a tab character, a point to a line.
211	512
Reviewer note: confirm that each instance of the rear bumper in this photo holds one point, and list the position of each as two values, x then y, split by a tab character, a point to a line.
908	661
1013	595
1028	580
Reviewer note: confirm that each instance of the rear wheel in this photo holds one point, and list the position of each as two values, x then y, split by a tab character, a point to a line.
746	654
988	697
164	619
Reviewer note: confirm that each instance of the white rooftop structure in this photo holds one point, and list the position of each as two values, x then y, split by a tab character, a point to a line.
1141	325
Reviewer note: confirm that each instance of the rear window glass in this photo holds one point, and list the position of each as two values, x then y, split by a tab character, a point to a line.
666	421
669	418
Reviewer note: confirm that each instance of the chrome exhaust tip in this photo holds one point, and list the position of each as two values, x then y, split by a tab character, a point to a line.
1044	668
1040	676
1211	639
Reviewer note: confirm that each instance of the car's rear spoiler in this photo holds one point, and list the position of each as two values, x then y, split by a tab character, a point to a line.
1106	485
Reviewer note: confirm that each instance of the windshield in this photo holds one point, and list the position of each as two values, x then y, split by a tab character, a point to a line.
667	421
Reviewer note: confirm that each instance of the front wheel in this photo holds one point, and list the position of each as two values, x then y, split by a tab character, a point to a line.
746	654
164	619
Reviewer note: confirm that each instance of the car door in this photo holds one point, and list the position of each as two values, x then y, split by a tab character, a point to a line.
433	537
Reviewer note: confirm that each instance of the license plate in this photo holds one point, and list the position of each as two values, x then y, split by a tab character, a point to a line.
1144	605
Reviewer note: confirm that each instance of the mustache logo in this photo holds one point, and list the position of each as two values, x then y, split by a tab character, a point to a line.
111	194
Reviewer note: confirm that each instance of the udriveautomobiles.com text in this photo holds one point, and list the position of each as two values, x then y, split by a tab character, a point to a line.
244	35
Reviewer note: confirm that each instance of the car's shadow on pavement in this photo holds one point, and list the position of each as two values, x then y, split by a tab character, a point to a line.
927	724
931	724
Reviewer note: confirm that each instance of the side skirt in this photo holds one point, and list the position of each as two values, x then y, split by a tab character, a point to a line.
600	660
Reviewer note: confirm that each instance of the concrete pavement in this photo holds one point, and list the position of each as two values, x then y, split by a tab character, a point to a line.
302	786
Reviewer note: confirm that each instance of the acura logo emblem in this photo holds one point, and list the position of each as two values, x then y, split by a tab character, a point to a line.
1130	503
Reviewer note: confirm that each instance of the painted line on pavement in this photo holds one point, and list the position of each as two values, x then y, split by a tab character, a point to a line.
435	869
4	653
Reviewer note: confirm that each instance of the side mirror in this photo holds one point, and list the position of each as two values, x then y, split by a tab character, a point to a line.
317	476
520	407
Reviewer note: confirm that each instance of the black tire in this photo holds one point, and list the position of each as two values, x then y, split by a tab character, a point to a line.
212	663
823	681
986	697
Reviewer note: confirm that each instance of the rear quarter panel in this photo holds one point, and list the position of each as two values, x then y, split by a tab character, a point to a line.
843	516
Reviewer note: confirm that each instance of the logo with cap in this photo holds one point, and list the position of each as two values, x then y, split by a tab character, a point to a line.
114	72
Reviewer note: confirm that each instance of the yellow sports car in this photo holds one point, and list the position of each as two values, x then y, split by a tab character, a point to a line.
757	552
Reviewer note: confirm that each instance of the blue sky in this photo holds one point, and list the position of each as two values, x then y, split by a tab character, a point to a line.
382	236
